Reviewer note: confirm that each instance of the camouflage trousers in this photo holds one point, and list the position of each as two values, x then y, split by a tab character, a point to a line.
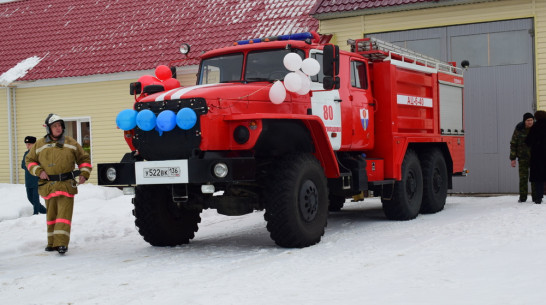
59	220
524	180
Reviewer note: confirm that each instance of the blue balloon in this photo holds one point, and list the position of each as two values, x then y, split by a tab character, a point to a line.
186	118
166	120
146	120
126	119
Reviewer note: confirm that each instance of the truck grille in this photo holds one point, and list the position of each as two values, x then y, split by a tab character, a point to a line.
175	144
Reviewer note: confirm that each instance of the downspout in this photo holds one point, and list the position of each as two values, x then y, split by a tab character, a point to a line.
10	136
14	118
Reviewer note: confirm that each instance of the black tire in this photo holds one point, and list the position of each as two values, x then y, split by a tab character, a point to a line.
405	203
159	220
296	201
336	203
435	181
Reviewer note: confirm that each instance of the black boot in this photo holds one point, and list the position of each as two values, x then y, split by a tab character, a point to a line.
50	248
42	209
62	249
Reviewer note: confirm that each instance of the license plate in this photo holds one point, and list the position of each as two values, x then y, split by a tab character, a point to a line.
161	172
158	172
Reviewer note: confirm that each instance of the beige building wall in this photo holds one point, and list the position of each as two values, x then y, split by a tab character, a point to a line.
356	27
100	101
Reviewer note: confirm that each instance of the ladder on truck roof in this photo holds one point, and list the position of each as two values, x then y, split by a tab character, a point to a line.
378	50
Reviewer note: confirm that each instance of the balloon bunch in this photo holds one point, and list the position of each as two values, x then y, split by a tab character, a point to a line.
296	81
166	120
163	77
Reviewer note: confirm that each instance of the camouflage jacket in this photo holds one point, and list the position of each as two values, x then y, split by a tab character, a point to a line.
518	148
57	157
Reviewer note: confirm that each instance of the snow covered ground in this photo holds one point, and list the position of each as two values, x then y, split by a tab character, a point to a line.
479	250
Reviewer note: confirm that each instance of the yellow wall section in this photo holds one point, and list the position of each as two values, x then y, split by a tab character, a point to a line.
356	27
100	101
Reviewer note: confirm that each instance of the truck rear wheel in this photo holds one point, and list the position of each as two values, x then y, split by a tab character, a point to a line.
434	182
407	193
296	201
159	220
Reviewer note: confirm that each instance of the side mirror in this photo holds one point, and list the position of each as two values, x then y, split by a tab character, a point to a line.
135	88
330	66
465	64
329	82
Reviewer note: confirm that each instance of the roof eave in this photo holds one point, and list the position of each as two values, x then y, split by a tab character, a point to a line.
395	8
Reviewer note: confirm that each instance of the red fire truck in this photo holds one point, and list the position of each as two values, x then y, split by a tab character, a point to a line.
377	121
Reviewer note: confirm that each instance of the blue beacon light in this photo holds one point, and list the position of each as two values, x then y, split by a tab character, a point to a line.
295	36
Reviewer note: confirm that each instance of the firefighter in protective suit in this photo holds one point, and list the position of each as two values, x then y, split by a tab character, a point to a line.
53	160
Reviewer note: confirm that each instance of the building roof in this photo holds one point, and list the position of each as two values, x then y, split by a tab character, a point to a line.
72	38
328	9
332	6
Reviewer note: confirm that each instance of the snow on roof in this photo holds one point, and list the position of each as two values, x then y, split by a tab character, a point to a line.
83	37
20	70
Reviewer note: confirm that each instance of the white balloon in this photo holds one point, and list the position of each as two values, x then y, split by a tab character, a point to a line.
310	66
292	61
277	93
292	82
305	83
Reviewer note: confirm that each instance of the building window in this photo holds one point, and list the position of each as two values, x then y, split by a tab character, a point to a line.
492	49
80	130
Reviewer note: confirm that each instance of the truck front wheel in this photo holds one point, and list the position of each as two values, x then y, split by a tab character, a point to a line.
434	181
407	195
336	203
296	201
160	221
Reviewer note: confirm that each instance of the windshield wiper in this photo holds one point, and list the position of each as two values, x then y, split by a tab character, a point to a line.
259	79
233	81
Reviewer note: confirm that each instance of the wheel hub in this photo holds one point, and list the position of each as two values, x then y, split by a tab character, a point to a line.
411	185
308	200
436	181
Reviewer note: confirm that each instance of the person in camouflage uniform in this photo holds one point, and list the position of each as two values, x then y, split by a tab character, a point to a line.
53	160
520	151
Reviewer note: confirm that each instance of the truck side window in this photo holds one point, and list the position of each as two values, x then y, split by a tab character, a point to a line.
318	78
358	75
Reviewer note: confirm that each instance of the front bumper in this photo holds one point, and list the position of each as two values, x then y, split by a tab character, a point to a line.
193	171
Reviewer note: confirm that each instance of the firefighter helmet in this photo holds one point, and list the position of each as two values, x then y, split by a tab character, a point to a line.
52	118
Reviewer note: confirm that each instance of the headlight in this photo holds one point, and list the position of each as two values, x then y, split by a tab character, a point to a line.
184	48
241	134
220	170
111	174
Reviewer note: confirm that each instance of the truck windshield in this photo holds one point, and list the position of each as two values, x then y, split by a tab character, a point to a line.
221	69
263	65
267	65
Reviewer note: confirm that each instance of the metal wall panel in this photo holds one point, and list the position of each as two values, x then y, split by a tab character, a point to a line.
499	88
